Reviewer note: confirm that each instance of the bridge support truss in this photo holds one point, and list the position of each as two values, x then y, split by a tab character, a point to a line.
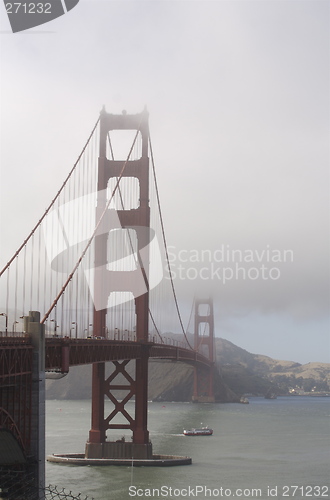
108	281
204	343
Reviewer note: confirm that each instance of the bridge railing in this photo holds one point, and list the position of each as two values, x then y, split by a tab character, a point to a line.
14	337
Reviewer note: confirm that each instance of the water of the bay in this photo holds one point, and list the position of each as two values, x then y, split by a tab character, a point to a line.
262	450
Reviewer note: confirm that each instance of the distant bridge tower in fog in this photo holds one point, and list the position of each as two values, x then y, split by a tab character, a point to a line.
204	343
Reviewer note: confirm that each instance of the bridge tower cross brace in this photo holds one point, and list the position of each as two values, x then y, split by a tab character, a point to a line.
107	281
204	336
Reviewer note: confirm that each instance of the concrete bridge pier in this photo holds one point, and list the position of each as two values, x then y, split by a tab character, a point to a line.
36	330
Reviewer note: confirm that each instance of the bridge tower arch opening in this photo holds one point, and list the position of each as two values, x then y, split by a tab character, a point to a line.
204	342
133	220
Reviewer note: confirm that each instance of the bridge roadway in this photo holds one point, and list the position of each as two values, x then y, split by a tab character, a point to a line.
61	353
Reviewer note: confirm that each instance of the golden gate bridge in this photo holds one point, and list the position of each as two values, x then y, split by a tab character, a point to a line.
92	284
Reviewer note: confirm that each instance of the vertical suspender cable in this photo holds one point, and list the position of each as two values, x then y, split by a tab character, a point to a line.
31	271
24	277
38	273
16	284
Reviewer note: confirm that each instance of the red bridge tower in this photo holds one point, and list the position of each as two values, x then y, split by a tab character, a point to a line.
108	281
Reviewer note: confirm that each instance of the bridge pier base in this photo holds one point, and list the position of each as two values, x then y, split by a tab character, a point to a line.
118	449
203	399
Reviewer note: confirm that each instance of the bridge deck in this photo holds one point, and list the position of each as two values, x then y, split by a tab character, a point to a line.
64	352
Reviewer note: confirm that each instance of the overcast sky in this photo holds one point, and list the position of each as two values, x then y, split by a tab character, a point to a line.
238	96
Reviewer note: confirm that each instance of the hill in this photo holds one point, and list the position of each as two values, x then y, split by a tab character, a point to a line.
283	375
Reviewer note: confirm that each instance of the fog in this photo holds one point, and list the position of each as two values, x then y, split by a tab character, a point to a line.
238	97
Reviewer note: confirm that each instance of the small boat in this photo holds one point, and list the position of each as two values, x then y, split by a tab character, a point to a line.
202	431
244	400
